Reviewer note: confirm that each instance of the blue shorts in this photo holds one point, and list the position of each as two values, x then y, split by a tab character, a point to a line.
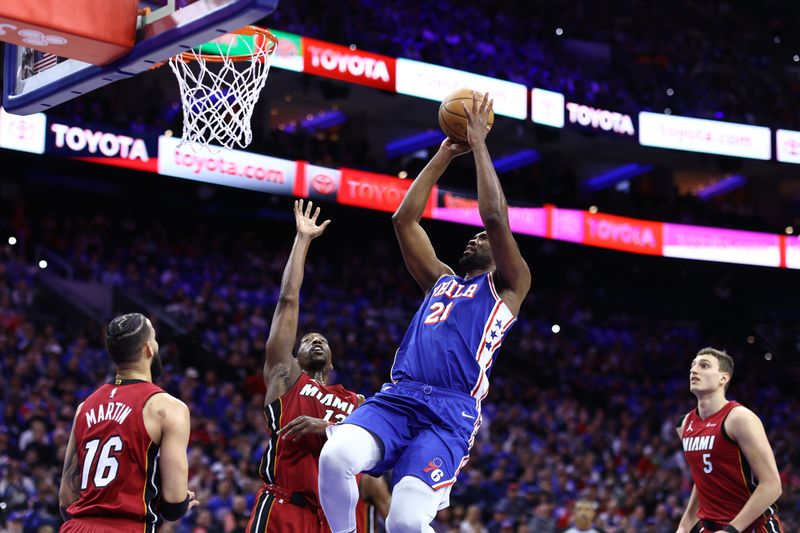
425	431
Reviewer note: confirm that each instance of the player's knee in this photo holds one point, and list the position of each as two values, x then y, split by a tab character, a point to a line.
332	460
413	507
398	522
338	455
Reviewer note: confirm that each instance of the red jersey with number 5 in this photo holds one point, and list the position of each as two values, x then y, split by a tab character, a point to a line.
117	461
294	465
719	469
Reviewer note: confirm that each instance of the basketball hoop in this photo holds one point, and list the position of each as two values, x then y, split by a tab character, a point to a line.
220	83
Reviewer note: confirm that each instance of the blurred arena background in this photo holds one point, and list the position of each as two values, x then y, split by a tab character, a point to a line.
95	220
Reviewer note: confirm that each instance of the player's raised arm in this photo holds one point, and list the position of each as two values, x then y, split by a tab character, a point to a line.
513	276
418	252
281	369
744	427
70	488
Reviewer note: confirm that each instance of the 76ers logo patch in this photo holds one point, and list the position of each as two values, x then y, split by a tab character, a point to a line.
435	469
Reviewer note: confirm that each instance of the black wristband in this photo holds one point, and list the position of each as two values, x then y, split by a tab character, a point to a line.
730	529
175	511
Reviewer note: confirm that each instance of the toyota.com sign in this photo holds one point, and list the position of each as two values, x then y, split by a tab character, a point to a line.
706	136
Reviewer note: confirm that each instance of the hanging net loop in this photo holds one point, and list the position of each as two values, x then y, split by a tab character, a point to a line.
220	82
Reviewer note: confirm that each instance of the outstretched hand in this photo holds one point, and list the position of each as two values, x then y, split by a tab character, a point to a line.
306	222
455	148
478	118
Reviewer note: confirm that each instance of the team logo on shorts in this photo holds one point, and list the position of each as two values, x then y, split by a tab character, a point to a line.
435	469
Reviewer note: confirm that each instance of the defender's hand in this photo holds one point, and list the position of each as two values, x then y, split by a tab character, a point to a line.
303	425
478	118
306	222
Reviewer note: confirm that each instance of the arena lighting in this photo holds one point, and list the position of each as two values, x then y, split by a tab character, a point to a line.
614	176
516	160
42	264
412	143
320	122
723	186
556	328
12	241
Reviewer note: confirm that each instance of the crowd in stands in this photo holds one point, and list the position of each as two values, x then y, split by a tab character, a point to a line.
576	422
722	60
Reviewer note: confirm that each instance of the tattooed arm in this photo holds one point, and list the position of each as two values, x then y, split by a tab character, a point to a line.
70	488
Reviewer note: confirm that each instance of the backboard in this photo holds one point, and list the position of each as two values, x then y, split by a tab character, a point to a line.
34	82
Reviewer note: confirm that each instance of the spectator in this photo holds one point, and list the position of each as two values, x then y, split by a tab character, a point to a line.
583	514
542	520
472	522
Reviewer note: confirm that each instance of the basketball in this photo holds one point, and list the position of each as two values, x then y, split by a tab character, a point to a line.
452	119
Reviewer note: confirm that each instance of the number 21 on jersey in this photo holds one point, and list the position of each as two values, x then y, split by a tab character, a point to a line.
439	313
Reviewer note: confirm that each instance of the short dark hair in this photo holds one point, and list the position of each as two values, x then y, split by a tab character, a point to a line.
126	335
725	361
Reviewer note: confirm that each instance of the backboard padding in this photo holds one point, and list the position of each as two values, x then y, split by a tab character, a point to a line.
181	30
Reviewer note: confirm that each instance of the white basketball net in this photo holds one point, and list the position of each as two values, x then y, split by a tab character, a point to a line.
218	97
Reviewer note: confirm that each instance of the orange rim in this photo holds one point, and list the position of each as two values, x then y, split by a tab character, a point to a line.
247	30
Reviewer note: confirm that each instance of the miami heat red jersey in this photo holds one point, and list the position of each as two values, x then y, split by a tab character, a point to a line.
294	465
719	469
117	461
366	517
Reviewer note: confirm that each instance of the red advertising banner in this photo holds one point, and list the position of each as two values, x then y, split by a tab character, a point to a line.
621	233
377	191
354	66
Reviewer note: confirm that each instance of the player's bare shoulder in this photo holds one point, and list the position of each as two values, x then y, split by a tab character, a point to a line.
163	410
741	419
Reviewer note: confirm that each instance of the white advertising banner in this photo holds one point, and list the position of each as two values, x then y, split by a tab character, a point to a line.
787	146
232	168
547	108
433	82
706	136
25	133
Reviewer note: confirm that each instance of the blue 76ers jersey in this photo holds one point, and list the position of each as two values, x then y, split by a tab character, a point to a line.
455	335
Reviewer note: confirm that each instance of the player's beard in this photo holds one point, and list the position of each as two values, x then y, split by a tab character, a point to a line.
156	368
316	365
475	261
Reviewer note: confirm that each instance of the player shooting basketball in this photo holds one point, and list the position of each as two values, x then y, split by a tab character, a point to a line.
423	423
